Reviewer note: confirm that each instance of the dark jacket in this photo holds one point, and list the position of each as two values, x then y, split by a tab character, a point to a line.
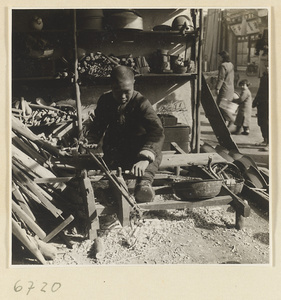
141	129
262	98
225	83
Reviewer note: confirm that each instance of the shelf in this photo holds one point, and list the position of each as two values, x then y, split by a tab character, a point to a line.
165	75
134	35
106	80
137	32
47	78
65	30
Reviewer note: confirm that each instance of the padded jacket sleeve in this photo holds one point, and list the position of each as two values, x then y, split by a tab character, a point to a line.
154	129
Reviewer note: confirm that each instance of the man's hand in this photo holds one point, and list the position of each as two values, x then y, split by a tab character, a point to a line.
139	168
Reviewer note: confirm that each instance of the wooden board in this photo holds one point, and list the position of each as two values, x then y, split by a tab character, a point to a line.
173	204
173	160
215	118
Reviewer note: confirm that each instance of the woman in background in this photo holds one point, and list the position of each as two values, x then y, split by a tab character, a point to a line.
225	85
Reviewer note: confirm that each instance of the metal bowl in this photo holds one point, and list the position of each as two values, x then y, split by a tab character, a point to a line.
197	189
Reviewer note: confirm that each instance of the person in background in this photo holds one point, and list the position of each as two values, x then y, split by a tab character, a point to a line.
261	101
132	132
243	117
225	84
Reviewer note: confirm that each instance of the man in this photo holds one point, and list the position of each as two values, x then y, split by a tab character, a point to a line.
132	132
262	103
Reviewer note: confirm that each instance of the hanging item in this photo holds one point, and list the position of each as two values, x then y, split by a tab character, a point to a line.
90	19
124	19
36	23
182	23
162	28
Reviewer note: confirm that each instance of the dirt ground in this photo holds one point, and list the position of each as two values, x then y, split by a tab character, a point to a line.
197	236
187	236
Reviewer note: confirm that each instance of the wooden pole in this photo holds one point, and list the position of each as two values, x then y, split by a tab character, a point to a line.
199	83
76	78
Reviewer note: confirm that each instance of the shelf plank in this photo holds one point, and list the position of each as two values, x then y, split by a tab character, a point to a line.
181	204
88	79
165	75
39	78
137	32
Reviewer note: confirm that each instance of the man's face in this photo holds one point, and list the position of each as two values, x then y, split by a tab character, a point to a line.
123	90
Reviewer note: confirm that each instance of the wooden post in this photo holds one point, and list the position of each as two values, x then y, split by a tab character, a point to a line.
239	221
87	193
76	78
199	84
124	207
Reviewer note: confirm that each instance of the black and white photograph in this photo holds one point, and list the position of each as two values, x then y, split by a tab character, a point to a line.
140	136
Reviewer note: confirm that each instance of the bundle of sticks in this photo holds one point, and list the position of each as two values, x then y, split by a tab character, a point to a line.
34	115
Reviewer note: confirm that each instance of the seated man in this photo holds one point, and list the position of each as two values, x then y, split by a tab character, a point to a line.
133	133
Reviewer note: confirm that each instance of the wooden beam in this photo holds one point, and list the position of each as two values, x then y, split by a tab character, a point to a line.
37	190
178	149
27	149
21	129
22	202
53	179
58	229
173	204
173	160
28	221
257	197
30	163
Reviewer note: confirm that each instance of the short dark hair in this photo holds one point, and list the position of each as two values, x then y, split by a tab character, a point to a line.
244	81
225	56
121	72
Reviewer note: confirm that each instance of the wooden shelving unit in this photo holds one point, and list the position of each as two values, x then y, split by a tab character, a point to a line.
75	37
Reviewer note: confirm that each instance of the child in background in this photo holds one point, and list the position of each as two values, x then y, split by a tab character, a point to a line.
243	117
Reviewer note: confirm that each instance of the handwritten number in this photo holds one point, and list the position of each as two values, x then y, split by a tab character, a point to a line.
31	287
44	285
53	289
17	288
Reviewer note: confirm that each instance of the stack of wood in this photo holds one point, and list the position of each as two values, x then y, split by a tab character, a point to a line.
39	211
101	65
36	115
